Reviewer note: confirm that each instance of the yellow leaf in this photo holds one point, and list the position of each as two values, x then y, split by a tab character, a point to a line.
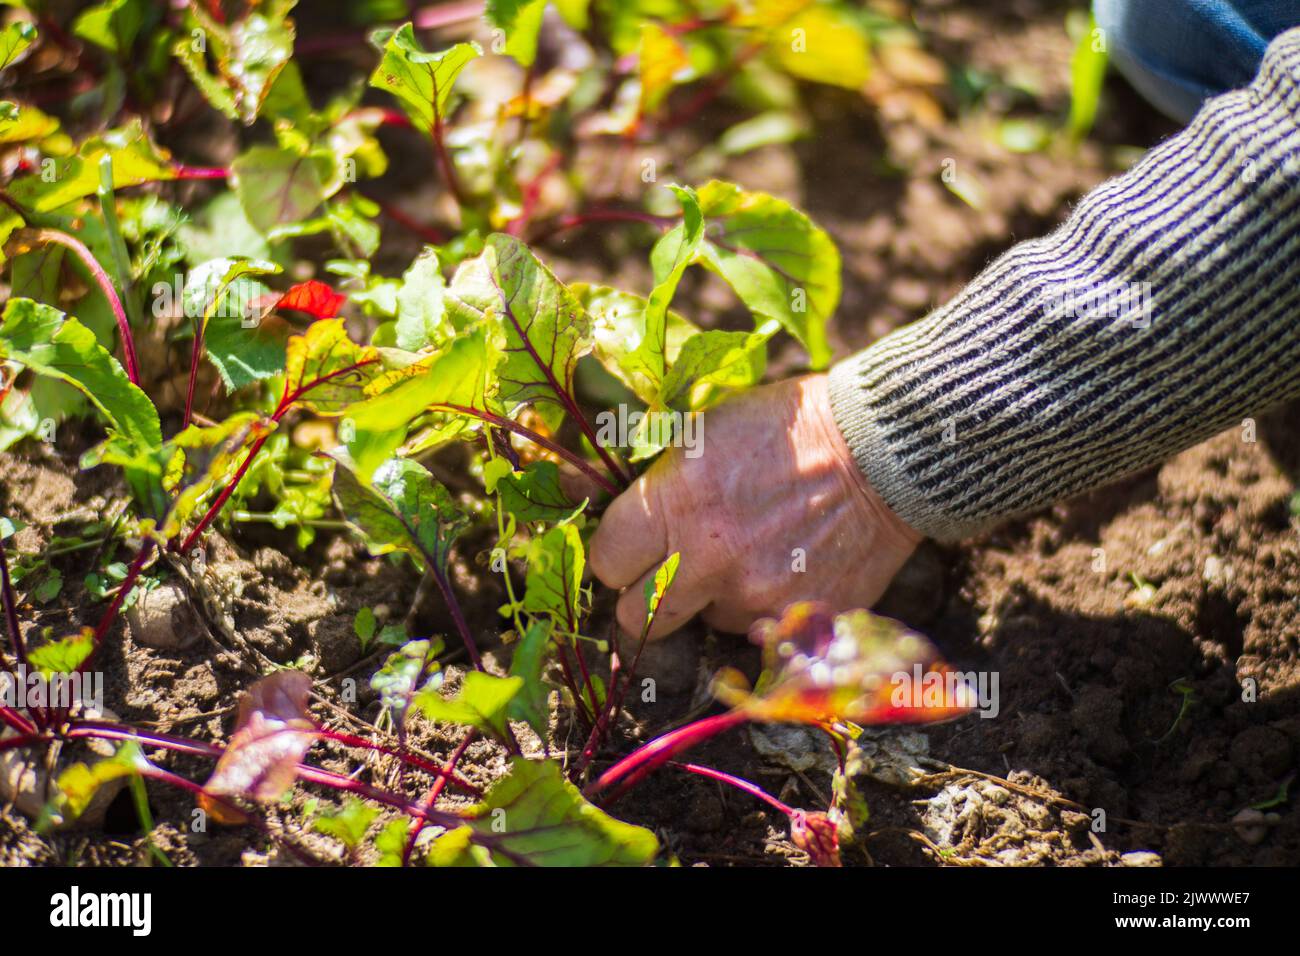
824	45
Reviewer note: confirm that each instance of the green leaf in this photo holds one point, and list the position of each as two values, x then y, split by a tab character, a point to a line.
48	589
618	331
208	456
482	702
531	703
364	624
422	81
348	825
249	56
658	586
521	21
111	26
535	816
714	357
535	493
395	681
780	264
282	187
15	38
824	43
325	370
459	374
553	584
134	158
63	656
669	259
222	295
403	509
392	840
1087	75
546	329
42	339
78	784
421	314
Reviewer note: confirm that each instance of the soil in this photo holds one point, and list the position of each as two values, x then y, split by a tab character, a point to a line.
1127	628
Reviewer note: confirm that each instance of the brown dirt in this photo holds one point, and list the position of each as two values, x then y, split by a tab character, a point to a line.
1093	677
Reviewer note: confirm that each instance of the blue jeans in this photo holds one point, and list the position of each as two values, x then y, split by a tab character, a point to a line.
1179	53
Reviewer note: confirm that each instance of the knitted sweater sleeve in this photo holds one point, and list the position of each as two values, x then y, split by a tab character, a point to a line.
1166	309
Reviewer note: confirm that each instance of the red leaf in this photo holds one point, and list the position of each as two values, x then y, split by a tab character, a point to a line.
821	668
272	734
314	298
815	834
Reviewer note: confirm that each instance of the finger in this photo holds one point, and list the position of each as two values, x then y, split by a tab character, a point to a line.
687	596
728	620
632	535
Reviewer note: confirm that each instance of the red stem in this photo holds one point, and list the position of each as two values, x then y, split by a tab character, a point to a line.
577	461
286	402
649	757
427	233
441	773
23	740
436	791
588	216
753	789
200	172
44	236
11	611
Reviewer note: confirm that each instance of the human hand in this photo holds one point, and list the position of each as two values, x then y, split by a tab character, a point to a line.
772	511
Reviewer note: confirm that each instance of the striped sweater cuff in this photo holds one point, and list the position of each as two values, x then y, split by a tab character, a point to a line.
1166	309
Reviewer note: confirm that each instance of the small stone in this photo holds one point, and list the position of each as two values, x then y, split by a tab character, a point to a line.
162	618
1141	858
1251	826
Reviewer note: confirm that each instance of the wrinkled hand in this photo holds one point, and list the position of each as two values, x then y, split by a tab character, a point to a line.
773	491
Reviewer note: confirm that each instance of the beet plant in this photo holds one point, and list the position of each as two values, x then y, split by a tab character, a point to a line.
475	354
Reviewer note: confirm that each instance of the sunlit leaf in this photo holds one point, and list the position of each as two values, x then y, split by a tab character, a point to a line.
459	374
482	701
78	784
825	44
403	509
135	159
618	333
657	586
395	682
553	585
15	38
349	824
280	187
326	370
824	669
63	656
781	265
111	26
421	313
535	817
273	732
531	703
535	493
422	81
520	21
42	339
714	357
248	55
545	327
662	63
1087	75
